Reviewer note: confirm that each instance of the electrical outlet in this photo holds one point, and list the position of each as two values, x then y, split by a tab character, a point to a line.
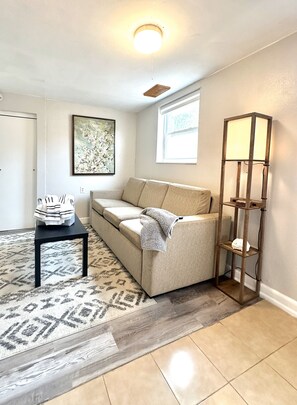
82	190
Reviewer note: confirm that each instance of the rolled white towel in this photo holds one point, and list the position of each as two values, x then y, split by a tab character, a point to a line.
54	210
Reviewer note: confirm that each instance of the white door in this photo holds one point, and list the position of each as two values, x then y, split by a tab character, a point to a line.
17	170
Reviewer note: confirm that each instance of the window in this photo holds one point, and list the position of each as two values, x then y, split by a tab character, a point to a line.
178	130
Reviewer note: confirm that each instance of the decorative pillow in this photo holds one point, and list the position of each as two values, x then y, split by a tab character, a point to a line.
133	190
153	194
184	201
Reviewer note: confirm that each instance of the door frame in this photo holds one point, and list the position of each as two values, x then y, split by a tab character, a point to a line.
30	116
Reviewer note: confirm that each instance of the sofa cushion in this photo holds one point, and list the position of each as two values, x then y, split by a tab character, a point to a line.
99	204
118	214
131	229
153	194
133	190
184	201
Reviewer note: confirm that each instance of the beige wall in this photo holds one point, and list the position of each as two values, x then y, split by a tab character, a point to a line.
265	82
54	147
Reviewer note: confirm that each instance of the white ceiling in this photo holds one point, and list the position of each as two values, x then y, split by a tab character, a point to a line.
82	50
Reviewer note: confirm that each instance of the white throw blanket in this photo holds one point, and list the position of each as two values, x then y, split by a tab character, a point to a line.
157	227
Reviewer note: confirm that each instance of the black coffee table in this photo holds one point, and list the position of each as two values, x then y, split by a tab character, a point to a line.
55	233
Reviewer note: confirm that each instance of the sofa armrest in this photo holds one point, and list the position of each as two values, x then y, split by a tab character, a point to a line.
189	257
111	194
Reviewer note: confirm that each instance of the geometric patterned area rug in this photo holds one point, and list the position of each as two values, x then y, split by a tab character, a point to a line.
65	303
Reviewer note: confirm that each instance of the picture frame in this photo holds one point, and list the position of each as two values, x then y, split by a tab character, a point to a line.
93	141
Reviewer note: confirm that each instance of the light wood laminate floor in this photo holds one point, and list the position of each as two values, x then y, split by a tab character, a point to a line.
249	357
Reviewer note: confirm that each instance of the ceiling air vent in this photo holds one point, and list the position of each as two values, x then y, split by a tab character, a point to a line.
156	90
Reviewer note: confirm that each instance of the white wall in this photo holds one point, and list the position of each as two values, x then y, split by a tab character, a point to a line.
265	82
59	152
54	147
19	103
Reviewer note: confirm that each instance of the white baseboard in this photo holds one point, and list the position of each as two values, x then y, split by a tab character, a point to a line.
249	281
269	294
278	299
85	220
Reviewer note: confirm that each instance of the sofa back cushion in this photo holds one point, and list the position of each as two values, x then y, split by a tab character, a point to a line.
184	201
133	190
153	194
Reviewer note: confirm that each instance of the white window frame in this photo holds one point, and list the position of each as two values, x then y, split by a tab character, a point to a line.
161	140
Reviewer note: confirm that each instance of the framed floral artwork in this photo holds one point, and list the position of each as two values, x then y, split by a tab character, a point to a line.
93	145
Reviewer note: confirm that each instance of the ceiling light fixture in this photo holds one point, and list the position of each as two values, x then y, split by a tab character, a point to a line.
148	38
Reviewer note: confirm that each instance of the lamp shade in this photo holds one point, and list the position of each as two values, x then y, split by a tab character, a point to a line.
248	137
148	38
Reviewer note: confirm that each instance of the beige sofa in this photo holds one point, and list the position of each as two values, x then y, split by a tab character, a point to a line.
189	257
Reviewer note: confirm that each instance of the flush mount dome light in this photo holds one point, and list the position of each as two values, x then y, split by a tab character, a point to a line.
148	38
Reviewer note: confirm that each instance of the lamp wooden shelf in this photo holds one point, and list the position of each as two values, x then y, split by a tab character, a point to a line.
246	139
241	202
227	245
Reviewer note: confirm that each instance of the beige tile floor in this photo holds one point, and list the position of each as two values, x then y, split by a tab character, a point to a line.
248	358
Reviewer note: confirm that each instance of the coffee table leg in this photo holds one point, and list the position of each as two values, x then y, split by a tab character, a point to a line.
85	255
37	264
